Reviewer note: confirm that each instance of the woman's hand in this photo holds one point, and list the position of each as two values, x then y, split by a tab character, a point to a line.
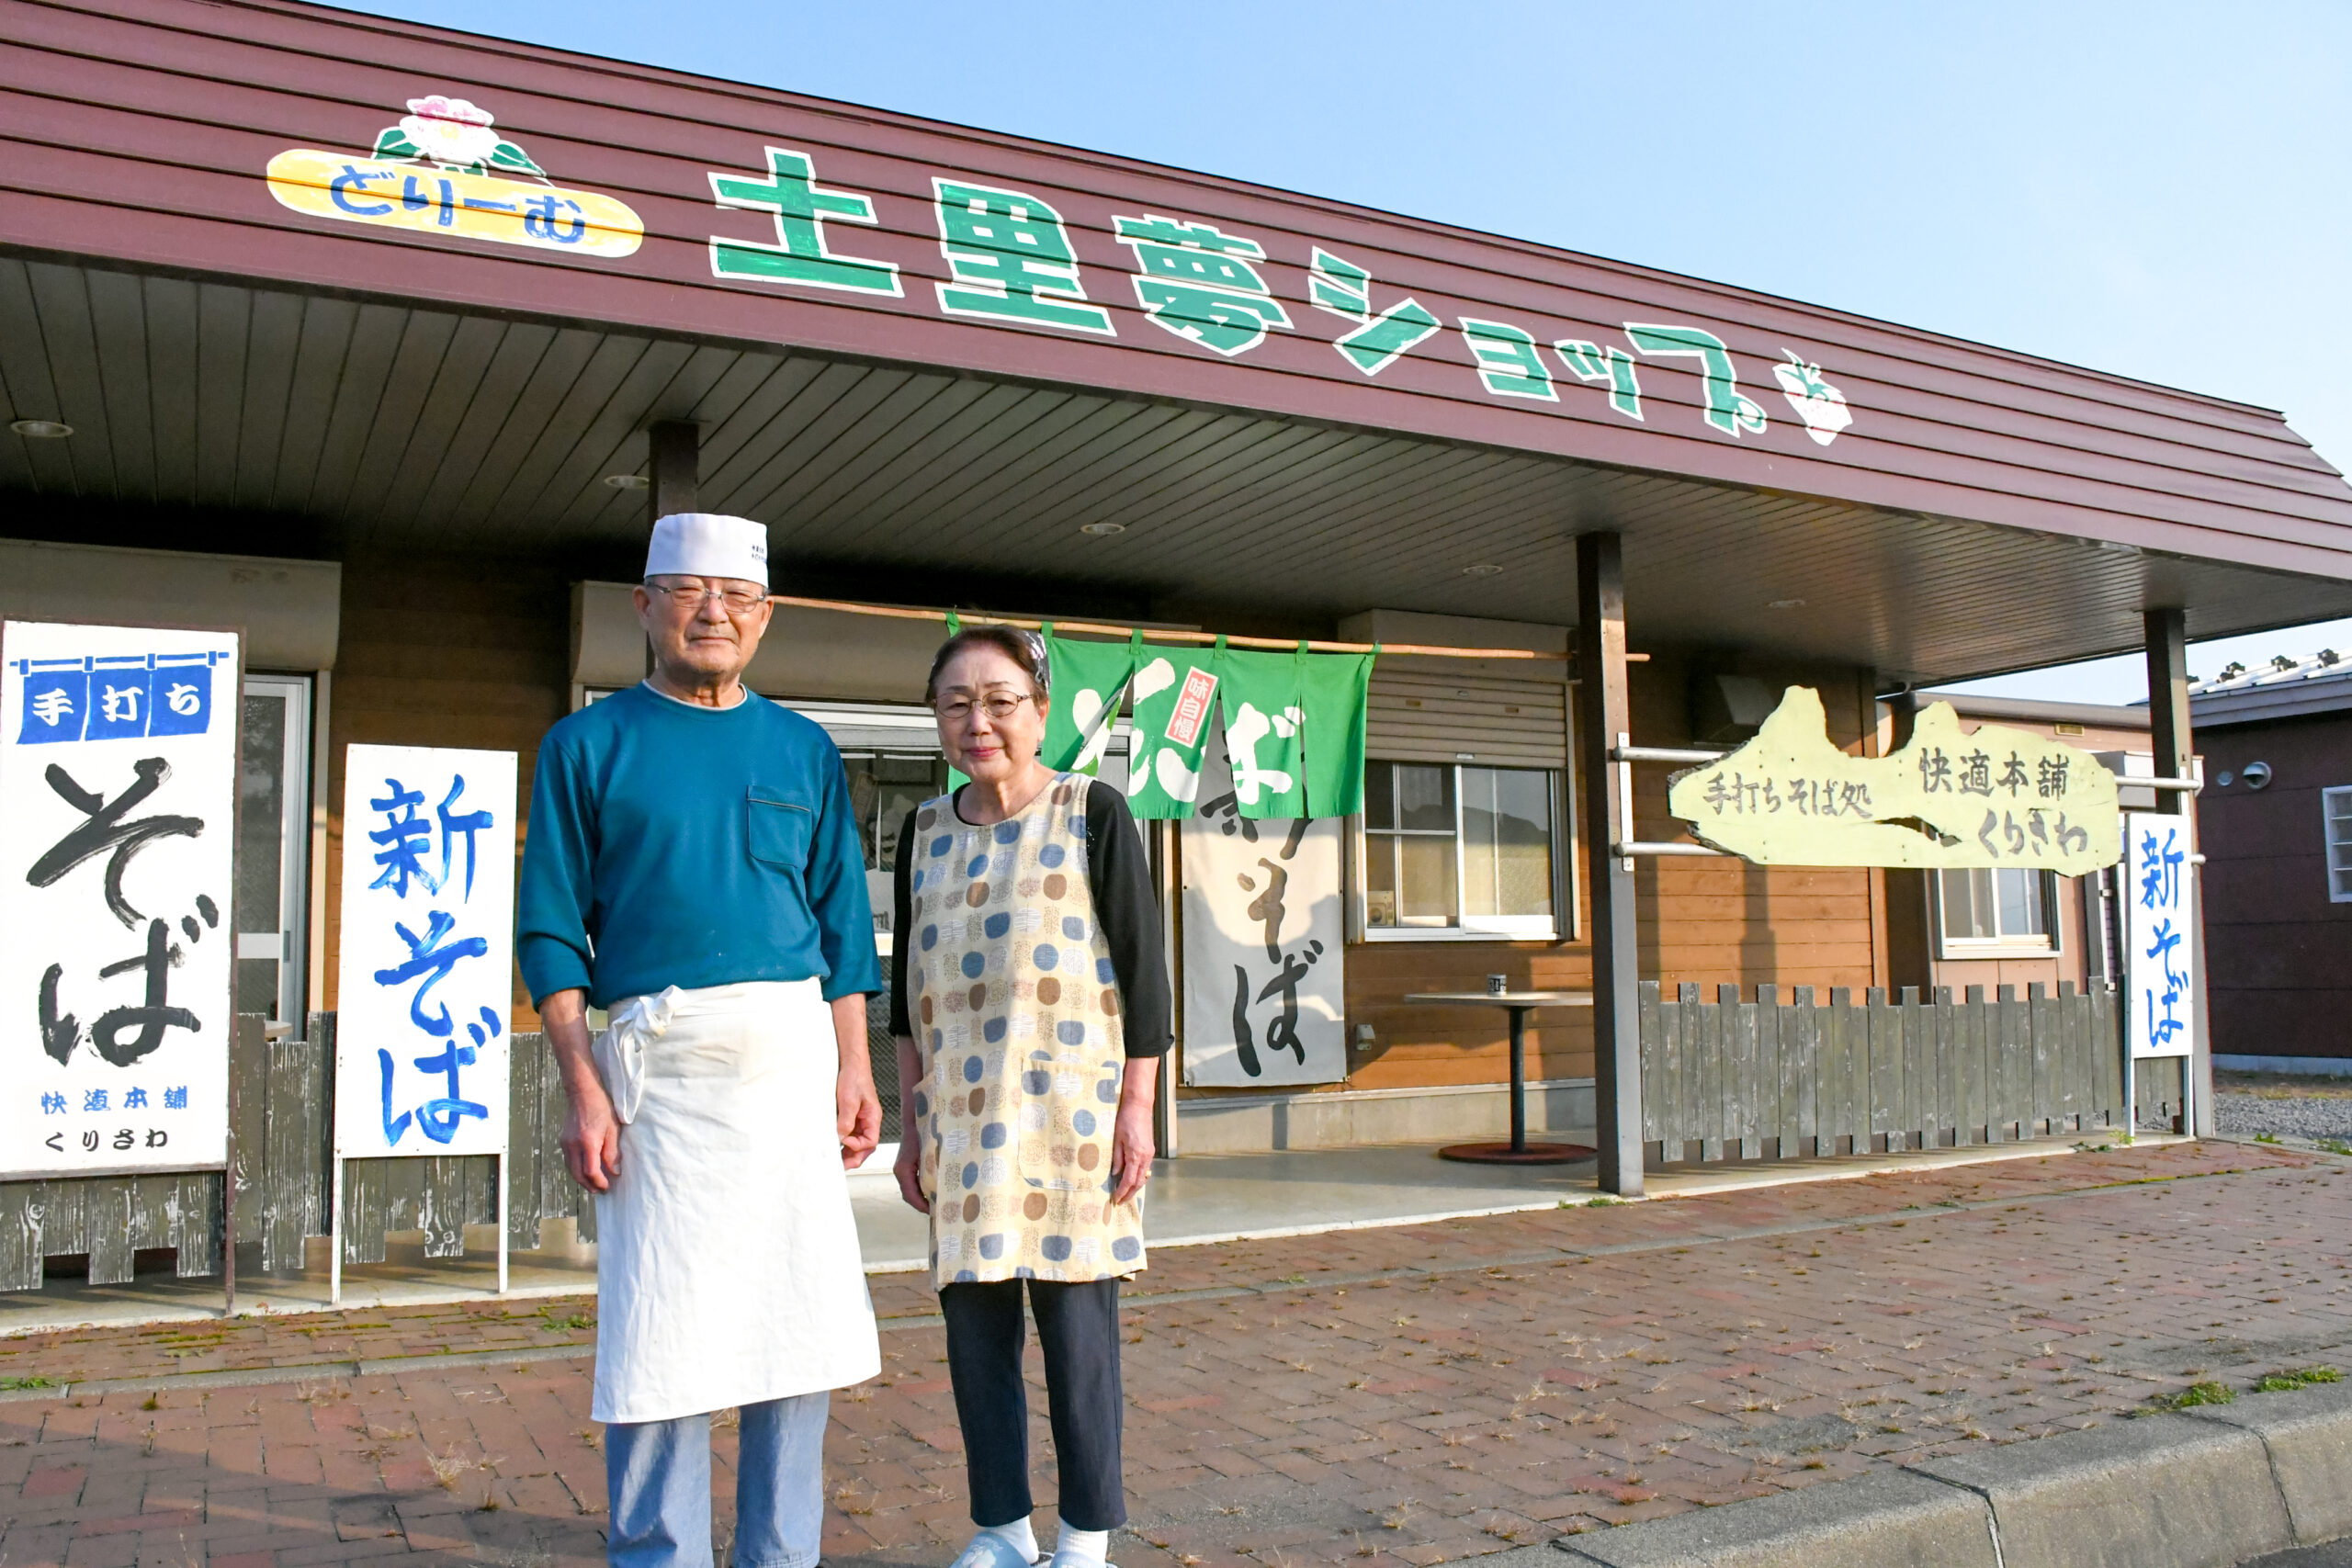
1131	1142
912	1131
908	1171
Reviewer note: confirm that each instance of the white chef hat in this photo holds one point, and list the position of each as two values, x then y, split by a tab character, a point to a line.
708	544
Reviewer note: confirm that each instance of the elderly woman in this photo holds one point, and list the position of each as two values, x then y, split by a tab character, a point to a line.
1031	1006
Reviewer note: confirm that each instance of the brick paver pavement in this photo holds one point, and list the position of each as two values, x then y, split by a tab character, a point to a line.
1419	1393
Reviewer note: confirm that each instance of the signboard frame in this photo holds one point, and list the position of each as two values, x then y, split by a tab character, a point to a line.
227	1165
362	764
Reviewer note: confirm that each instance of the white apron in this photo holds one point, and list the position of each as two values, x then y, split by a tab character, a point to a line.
728	1269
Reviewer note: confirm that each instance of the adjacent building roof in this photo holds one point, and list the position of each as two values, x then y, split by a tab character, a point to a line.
2283	688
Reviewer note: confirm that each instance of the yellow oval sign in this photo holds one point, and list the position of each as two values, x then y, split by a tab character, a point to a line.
444	201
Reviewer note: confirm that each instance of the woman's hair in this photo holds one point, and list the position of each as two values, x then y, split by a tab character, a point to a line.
1023	648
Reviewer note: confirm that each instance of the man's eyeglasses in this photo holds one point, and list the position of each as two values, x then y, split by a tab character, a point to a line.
998	708
691	596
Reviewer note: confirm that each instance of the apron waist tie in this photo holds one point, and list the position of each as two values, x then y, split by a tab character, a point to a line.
619	1051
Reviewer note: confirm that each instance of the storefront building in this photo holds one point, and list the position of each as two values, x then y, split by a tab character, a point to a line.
385	343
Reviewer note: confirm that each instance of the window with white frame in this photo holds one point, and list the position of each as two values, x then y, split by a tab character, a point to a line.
2336	810
2007	910
1450	850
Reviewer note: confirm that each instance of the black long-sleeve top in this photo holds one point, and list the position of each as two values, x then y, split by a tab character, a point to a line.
1118	874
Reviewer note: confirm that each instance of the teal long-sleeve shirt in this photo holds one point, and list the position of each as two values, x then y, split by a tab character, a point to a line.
676	845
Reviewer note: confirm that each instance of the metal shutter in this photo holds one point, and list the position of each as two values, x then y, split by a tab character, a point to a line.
1441	718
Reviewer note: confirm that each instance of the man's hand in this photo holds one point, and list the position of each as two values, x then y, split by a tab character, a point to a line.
591	1133
592	1140
1131	1142
858	1110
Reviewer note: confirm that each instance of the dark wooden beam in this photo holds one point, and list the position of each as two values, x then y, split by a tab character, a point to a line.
676	451
1604	721
2174	752
2167	639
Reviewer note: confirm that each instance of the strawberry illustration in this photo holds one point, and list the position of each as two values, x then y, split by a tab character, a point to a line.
1819	404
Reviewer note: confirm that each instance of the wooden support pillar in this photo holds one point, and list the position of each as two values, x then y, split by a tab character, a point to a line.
1604	721
676	450
2175	748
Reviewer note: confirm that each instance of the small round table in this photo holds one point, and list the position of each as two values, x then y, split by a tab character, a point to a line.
1518	1004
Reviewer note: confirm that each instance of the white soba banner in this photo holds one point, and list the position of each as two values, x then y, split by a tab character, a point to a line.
1265	994
118	786
426	951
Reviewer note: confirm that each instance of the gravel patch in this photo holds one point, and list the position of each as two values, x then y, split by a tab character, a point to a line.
2299	1116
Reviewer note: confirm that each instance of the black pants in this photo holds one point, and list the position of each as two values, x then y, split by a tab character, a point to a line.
1078	1326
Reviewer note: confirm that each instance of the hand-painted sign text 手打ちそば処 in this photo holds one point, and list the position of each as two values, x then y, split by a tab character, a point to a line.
1993	797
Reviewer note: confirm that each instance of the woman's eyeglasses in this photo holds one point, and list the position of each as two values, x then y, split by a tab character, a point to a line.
956	710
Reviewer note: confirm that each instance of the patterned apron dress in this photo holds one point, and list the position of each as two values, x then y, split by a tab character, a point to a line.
1013	999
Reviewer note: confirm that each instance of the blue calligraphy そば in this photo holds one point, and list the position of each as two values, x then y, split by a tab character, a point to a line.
2161	895
421	853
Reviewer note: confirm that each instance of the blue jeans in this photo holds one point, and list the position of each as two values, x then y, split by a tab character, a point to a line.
658	1476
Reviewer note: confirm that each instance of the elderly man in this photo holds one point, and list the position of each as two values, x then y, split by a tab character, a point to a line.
694	868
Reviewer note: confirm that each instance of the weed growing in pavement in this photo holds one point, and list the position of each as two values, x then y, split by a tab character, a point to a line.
25	1385
2196	1393
2301	1377
151	1404
447	1468
2265	1137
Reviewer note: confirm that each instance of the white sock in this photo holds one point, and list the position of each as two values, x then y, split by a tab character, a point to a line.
1074	1545
1023	1539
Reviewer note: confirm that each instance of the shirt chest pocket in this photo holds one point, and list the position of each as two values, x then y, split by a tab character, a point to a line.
778	829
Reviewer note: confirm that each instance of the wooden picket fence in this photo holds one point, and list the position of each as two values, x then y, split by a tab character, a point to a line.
281	1099
1723	1079
1791	1074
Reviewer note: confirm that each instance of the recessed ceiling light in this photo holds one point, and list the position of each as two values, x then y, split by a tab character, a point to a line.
42	429
1483	569
628	482
1102	530
1784	605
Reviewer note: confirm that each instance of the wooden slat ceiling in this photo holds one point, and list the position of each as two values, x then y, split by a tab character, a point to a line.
405	428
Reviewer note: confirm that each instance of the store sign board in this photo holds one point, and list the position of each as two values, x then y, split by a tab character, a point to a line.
426	951
444	170
118	784
2161	956
1265	990
1991	797
1008	257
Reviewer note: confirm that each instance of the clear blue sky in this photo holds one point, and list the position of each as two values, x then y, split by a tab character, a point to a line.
2156	189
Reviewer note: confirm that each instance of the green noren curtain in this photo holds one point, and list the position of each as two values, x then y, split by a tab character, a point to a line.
1090	682
1175	703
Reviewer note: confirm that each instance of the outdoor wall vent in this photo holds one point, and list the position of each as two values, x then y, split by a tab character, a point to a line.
2257	775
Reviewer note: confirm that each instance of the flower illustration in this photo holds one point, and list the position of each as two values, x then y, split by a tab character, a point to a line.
1819	404
449	130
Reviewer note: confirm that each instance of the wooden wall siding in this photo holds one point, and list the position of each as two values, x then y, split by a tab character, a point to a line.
2279	953
1708	922
1421	1047
444	651
1716	922
1789	1075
